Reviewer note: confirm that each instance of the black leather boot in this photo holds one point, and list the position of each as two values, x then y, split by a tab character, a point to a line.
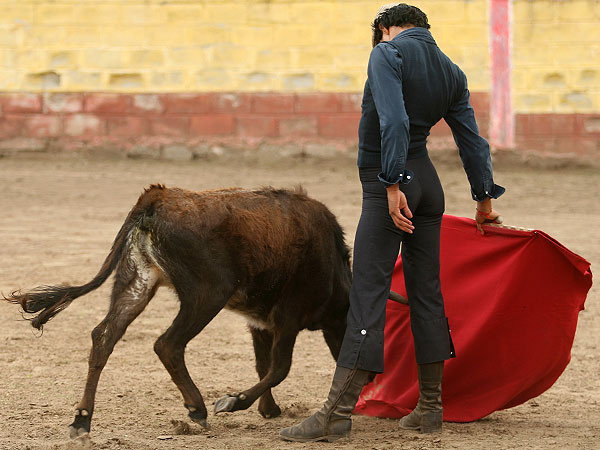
427	416
333	420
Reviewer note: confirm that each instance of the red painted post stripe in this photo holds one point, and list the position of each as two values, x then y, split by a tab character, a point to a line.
502	132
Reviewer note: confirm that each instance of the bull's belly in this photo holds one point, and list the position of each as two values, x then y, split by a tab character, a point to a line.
238	304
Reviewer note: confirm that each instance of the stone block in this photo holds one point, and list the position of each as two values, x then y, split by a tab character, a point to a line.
532	102
546	124
146	58
42	125
273	103
350	102
258	81
540	11
125	80
225	12
22	144
43	80
11	125
574	10
269	59
577	101
107	103
175	15
143	152
317	102
127	126
231	56
187	103
21	103
256	126
62	102
321	150
232	102
55	14
341	82
147	103
103	58
591	124
315	57
299	82
84	125
20	13
212	124
162	80
339	125
177	153
62	59
83	80
188	56
577	145
480	101
170	126
299	126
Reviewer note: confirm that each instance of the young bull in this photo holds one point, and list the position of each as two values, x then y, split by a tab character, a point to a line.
275	256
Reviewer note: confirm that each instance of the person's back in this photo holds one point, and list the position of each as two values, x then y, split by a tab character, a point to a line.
411	85
431	82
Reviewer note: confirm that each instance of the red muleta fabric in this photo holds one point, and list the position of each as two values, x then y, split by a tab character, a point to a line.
512	299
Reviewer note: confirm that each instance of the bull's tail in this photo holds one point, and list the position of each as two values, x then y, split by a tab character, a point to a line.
44	302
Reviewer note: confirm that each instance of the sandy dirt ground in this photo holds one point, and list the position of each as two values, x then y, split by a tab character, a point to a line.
58	219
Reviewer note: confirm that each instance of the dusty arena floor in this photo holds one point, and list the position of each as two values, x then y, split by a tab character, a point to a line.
58	219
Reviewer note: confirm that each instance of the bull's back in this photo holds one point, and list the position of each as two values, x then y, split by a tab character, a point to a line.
266	228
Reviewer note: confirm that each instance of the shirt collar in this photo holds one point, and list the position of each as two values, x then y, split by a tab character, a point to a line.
420	33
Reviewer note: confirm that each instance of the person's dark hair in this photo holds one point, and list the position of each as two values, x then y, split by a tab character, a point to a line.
398	16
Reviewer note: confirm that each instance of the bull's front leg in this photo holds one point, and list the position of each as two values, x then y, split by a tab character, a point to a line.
280	363
263	343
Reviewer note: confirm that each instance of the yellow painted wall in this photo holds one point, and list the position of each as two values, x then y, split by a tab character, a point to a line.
556	56
284	45
203	45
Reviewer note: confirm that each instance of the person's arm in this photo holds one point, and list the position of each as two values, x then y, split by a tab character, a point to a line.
385	81
475	155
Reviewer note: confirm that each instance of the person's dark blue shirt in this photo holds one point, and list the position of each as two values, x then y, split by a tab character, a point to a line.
412	85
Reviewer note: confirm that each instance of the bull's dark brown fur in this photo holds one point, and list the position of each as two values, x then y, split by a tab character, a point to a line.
276	256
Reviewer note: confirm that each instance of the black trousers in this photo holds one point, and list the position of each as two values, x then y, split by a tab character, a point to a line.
376	249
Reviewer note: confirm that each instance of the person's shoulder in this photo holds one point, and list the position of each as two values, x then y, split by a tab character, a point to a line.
385	51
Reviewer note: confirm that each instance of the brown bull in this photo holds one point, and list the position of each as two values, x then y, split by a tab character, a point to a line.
275	256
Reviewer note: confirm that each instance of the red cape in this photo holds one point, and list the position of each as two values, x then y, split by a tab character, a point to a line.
512	299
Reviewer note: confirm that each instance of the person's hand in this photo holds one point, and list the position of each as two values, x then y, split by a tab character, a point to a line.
398	205
486	214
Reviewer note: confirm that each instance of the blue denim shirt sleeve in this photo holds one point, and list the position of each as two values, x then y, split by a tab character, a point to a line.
385	80
473	149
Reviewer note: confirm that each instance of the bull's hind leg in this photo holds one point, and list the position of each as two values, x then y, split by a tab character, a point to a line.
195	313
263	342
128	300
281	361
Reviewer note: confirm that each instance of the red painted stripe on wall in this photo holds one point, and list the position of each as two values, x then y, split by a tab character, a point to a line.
502	134
122	123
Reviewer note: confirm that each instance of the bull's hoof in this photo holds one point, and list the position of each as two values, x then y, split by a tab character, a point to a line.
269	410
81	424
226	403
197	415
